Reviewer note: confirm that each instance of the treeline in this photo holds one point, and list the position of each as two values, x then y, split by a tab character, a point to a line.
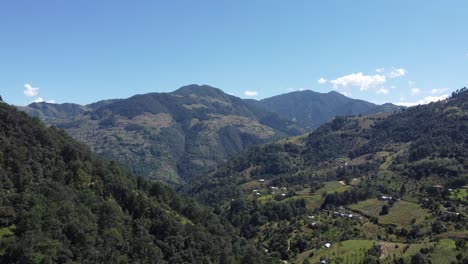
60	204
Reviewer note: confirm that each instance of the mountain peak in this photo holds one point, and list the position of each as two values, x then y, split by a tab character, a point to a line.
200	90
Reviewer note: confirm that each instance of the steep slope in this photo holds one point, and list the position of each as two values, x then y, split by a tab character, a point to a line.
312	109
60	204
174	136
370	184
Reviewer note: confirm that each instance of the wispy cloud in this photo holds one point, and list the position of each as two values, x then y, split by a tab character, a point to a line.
250	93
396	72
364	82
345	93
383	90
376	82
415	91
297	89
30	91
40	100
425	100
322	80
438	90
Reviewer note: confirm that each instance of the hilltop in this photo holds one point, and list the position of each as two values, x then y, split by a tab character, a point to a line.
311	109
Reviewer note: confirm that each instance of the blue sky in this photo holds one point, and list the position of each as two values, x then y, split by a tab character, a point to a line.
83	51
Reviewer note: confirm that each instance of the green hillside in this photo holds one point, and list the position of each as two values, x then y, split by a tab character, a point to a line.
169	136
311	109
396	182
61	204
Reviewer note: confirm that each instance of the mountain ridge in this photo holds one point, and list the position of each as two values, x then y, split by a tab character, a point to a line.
171	136
311	109
180	134
364	182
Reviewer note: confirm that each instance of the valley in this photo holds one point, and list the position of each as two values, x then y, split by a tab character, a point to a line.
362	189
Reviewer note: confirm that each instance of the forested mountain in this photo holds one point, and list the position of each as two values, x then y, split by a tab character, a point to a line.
61	204
169	136
383	188
311	109
186	133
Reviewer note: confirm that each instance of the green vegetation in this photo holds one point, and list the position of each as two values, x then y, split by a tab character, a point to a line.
325	106
61	204
349	251
388	180
169	136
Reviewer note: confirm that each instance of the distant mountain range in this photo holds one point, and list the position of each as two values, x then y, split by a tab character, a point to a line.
311	109
186	133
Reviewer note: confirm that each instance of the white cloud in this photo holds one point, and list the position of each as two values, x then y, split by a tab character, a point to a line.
415	91
380	70
425	100
364	82
395	73
345	93
297	89
30	91
322	80
383	91
250	93
40	100
438	90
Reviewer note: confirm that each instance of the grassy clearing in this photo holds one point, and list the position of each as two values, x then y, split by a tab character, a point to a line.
349	251
402	213
333	186
370	207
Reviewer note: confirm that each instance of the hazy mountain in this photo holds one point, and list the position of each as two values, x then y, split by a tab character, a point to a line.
61	204
48	111
311	109
369	183
169	136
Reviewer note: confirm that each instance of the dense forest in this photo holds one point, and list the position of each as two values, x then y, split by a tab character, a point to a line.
61	204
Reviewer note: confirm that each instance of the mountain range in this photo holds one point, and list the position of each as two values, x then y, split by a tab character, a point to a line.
186	133
381	188
311	109
387	187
